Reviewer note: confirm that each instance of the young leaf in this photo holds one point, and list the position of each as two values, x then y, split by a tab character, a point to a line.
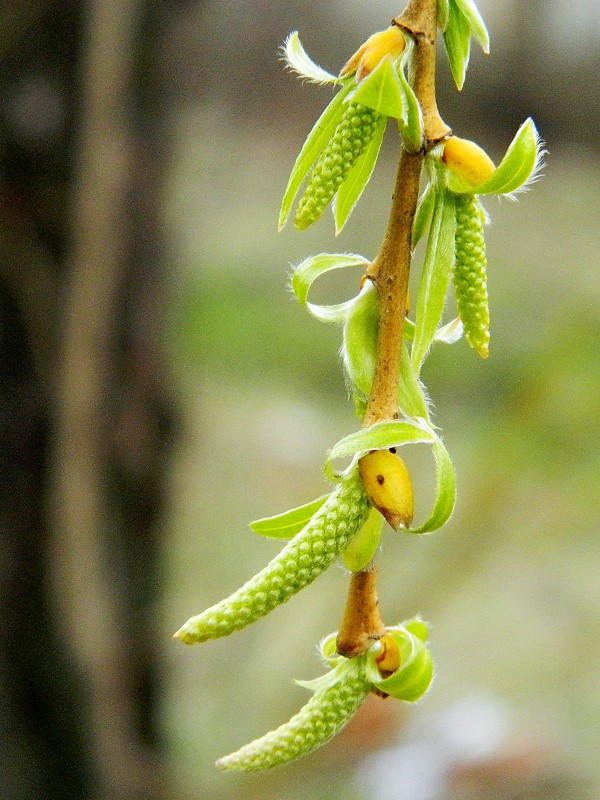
300	62
478	28
423	214
443	12
519	165
288	524
411	396
450	333
457	38
359	346
439	258
381	91
363	547
315	141
310	269
411	125
381	435
445	495
351	189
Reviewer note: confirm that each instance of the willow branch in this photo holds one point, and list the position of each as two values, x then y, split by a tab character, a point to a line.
390	272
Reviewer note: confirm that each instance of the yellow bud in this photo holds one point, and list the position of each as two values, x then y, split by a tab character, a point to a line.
388	660
470	165
388	486
384	43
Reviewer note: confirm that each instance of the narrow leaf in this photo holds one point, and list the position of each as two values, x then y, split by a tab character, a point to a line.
310	269
423	214
442	14
288	524
439	258
445	495
351	189
476	23
300	62
457	38
380	436
411	395
381	90
411	125
315	141
519	165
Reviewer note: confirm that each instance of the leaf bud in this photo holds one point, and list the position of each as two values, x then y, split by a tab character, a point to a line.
468	164
389	42
388	486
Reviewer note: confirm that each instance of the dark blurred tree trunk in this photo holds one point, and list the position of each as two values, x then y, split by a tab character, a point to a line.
84	415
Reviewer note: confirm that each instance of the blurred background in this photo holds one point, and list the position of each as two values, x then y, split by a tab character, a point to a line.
160	387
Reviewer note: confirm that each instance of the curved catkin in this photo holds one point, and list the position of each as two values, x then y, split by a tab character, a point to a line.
351	138
470	281
303	559
316	723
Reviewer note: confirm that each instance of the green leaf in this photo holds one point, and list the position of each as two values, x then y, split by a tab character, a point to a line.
359	346
411	395
457	38
381	91
439	259
411	125
519	165
300	62
310	269
423	214
363	546
351	189
380	436
315	141
288	524
478	28
443	12
445	494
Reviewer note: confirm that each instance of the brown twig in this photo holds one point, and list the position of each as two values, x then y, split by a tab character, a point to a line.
390	272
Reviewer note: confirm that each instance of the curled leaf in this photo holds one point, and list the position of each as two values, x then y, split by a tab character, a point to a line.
310	269
414	674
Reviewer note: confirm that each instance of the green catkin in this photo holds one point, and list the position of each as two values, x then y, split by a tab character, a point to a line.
470	281
303	559
316	723
351	138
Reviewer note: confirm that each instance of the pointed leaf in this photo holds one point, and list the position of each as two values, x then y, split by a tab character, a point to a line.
310	269
359	346
288	524
351	189
478	28
381	90
411	126
439	259
315	141
457	38
445	495
300	62
423	214
519	165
